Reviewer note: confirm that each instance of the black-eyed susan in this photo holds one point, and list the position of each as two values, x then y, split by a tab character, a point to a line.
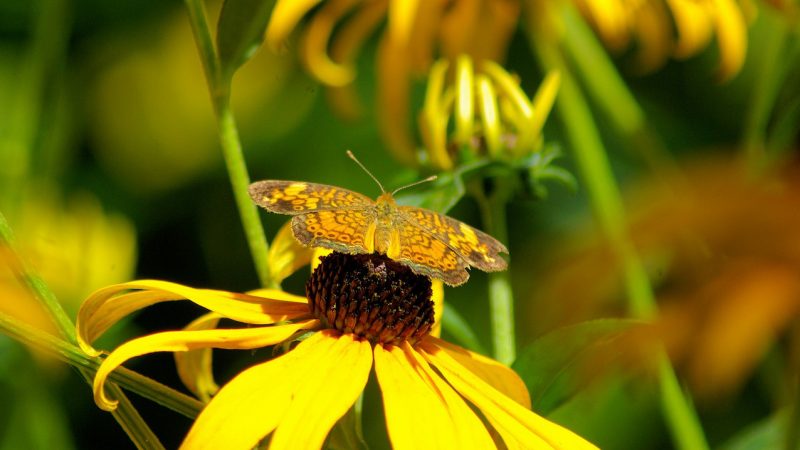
336	31
662	29
359	311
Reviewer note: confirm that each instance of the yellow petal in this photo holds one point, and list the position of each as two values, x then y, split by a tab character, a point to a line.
654	28
394	73
433	119
251	405
286	254
194	366
401	19
731	36
316	42
611	20
693	25
490	116
416	416
499	376
519	426
325	392
108	305
465	91
181	341
437	297
277	294
543	101
285	16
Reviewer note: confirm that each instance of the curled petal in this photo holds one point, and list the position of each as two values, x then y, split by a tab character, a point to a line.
465	100
433	118
693	26
731	36
654	29
194	366
106	306
286	254
315	45
519	426
285	16
182	341
490	116
543	101
291	394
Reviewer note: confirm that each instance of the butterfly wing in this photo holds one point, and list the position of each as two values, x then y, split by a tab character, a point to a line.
426	254
298	197
324	216
475	247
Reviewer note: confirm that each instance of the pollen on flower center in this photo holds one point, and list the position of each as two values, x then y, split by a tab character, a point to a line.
371	296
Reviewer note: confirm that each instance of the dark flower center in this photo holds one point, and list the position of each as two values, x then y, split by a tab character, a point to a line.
371	296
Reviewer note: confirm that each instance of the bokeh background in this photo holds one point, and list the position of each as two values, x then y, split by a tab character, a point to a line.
111	170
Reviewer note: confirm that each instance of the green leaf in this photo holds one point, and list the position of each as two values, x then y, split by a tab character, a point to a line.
446	191
240	31
770	433
554	366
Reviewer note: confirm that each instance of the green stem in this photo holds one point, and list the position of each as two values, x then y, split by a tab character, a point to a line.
607	204
501	297
219	89
125	414
71	354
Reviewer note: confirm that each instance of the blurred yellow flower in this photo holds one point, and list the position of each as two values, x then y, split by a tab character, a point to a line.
359	310
670	28
416	33
75	247
151	123
490	112
724	249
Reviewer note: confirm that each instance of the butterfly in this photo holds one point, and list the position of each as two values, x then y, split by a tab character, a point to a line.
429	243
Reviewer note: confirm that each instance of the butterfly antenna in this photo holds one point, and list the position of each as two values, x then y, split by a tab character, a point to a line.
353	157
430	178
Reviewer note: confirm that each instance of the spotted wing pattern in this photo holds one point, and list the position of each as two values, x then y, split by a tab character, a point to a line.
298	197
428	255
475	247
346	231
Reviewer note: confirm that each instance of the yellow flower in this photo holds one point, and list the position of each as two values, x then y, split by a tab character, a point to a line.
361	310
479	28
671	28
490	112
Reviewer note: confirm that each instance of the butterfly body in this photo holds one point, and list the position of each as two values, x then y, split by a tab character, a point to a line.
430	243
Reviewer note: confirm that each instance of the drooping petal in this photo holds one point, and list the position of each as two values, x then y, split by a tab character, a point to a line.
251	405
497	375
401	19
285	16
731	36
416	416
194	366
693	26
181	341
108	305
286	254
519	426
325	392
316	42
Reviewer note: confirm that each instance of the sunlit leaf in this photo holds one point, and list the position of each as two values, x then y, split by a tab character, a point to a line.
554	365
240	31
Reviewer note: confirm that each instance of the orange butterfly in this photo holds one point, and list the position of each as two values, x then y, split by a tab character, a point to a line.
429	243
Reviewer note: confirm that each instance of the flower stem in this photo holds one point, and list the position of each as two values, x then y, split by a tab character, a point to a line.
606	200
501	297
127	416
219	88
71	354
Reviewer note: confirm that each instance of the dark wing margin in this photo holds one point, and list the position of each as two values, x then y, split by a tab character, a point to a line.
299	197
